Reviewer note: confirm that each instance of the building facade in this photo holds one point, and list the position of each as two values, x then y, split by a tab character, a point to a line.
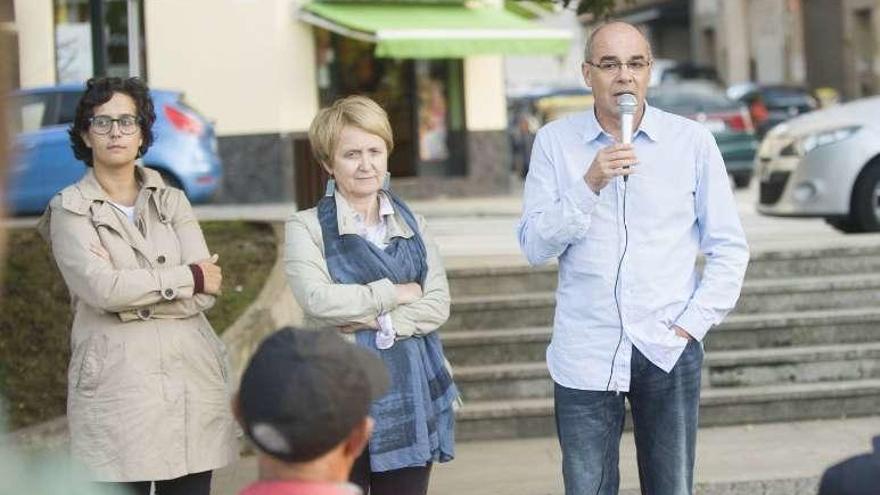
814	43
262	69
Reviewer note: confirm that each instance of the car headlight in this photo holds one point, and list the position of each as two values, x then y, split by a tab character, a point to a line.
812	141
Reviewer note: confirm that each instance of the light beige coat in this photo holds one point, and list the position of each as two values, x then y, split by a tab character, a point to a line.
148	383
326	303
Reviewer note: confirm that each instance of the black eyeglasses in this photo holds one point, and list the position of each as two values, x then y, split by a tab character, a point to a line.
102	124
614	67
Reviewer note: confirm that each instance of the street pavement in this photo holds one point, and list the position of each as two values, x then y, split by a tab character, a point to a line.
482	231
766	459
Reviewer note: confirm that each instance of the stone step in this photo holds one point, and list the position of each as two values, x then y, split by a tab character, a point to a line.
812	364
515	279
482	420
793	329
531	380
768	265
762	296
491	280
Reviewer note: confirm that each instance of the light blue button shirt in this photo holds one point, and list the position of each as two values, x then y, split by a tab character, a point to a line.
678	203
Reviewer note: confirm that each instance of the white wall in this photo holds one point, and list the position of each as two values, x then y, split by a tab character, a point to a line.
767	28
733	38
36	42
249	64
484	93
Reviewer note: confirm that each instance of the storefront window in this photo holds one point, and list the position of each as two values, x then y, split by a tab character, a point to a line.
424	100
122	28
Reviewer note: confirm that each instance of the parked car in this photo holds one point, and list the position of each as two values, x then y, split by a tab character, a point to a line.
528	112
826	164
772	104
666	71
184	152
728	120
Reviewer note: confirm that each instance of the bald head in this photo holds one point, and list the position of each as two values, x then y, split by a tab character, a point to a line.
611	31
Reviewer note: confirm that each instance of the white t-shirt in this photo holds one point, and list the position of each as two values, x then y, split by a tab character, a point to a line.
128	210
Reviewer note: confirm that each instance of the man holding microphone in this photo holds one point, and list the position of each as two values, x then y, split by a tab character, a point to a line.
626	197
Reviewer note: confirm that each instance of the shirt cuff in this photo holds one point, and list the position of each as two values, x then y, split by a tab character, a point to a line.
198	278
385	335
384	295
692	322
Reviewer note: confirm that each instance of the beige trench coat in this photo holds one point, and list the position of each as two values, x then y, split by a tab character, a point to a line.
326	303
148	382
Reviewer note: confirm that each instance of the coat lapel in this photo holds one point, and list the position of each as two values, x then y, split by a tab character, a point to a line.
108	216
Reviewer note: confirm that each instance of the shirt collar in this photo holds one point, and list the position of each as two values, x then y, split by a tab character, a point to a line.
347	218
648	125
91	189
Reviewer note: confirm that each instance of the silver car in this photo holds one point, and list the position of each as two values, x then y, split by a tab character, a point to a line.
825	164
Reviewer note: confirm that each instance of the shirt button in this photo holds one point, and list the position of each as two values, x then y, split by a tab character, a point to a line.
161	259
145	313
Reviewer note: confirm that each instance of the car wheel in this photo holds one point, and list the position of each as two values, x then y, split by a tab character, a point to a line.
843	224
865	209
741	181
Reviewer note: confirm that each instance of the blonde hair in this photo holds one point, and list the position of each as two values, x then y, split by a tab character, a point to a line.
356	111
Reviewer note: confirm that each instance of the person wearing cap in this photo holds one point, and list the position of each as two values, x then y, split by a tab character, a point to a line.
858	475
363	263
304	402
148	385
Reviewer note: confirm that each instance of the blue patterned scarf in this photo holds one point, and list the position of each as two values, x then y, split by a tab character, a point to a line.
414	422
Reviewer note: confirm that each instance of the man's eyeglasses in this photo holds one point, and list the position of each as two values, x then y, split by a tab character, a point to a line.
615	67
102	124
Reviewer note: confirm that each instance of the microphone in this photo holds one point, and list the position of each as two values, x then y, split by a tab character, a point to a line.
626	104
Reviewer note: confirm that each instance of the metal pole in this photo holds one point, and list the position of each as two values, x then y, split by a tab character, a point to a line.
99	45
134	39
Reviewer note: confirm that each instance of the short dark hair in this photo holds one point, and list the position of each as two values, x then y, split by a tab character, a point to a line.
100	90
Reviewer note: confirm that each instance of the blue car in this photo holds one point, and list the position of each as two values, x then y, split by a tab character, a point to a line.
184	152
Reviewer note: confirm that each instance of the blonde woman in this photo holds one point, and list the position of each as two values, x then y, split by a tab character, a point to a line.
362	262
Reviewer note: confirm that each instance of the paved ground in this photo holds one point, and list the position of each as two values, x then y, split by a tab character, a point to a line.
483	230
780	458
470	229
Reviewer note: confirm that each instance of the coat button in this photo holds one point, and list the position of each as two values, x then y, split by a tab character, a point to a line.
145	313
169	293
161	258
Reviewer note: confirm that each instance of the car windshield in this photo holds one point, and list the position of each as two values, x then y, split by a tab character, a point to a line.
786	97
689	100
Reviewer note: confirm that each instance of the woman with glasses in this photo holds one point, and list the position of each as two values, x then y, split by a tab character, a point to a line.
147	380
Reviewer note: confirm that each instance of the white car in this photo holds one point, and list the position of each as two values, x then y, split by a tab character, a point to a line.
825	164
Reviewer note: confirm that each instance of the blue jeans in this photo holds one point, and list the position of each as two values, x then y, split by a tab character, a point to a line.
665	410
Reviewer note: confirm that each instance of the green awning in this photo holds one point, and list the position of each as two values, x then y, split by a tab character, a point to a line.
437	31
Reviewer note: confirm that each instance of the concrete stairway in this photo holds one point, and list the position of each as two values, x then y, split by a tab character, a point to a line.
803	343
